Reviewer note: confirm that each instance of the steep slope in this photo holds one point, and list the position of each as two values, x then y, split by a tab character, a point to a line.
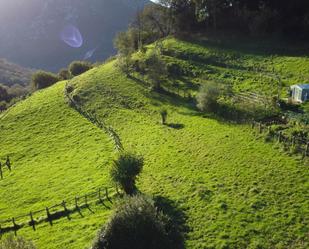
234	190
56	154
231	188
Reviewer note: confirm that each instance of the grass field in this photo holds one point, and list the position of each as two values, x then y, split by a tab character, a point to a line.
232	189
56	155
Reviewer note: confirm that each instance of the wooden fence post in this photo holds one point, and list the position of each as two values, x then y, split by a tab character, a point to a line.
76	202
32	222
49	216
107	197
14	226
293	141
100	195
8	163
280	136
1	174
64	206
86	200
307	149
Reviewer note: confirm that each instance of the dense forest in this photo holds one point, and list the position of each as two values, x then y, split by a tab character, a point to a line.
255	18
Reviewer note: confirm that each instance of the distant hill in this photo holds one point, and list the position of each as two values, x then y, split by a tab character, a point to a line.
13	74
30	30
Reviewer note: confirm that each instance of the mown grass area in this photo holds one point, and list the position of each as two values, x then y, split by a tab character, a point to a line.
56	154
234	190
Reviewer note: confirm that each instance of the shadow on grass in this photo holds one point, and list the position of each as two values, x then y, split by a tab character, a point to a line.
177	225
176	126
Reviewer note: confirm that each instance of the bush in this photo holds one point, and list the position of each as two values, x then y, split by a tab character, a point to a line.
125	64
78	67
42	79
135	224
12	242
4	96
155	69
64	74
3	106
125	170
207	98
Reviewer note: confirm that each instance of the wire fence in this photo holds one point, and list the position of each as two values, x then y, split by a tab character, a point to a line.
294	143
93	119
51	213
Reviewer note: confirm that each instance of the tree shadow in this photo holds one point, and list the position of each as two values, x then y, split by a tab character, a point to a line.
177	225
176	126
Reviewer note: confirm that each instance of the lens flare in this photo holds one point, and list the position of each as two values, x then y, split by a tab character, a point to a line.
89	54
72	36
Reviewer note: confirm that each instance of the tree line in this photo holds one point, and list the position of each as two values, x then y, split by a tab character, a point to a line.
254	17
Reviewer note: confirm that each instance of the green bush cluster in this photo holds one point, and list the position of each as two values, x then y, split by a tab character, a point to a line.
137	224
42	79
78	67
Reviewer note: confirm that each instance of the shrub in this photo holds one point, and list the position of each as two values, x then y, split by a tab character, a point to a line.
12	242
42	79
78	67
155	68
163	113
64	74
124	171
3	106
137	224
4	96
125	64
207	98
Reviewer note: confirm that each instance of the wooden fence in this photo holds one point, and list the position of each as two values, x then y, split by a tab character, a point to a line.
7	165
55	212
254	98
93	119
293	142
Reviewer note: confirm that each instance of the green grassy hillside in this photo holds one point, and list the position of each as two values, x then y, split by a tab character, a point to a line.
56	154
246	66
232	189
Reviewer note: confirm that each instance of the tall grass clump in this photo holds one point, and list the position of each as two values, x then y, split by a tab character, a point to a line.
12	242
125	170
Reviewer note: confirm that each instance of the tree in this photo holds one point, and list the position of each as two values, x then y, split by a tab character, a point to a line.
4	96
137	224
125	42
155	68
78	67
125	170
64	74
42	79
207	97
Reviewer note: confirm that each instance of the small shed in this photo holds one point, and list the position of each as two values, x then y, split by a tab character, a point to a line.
299	93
